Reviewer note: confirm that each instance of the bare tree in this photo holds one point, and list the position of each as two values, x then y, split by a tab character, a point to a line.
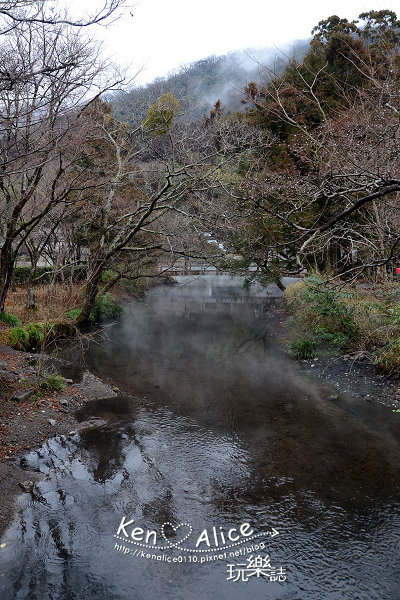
16	12
155	184
40	117
331	196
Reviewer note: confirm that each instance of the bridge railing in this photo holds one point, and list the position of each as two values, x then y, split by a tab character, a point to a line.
196	269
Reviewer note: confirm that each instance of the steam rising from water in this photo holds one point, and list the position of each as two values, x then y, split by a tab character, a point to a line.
199	85
214	426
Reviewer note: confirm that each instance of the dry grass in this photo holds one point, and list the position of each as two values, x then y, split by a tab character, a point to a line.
293	293
362	320
53	302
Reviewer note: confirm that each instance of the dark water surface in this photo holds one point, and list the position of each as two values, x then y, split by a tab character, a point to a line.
213	428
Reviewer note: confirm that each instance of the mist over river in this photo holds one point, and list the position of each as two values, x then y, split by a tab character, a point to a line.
214	434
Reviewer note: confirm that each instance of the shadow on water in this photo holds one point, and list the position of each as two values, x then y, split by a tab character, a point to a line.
213	427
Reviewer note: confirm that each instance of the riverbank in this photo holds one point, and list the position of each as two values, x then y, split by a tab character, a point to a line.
347	374
359	321
27	421
214	424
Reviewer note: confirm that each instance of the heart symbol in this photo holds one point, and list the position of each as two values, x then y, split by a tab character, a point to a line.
182	531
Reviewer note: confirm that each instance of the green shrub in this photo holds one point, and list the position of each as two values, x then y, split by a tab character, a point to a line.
366	321
105	308
388	357
108	275
330	306
36	333
10	319
325	311
136	287
61	329
337	338
74	313
18	338
53	383
303	348
394	313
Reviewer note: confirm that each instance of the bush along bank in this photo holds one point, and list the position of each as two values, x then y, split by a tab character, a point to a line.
342	319
36	335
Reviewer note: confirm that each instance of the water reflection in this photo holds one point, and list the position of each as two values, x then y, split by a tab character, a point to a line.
214	426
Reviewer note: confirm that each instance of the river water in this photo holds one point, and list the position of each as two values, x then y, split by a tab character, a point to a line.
214	433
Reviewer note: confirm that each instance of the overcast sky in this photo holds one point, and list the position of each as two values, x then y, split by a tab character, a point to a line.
164	34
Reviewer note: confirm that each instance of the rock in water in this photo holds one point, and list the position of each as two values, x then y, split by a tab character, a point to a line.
27	486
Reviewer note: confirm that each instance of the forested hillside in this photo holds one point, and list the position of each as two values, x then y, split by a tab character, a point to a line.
326	189
199	302
199	85
294	169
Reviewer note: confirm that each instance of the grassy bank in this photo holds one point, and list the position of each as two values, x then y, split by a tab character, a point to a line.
342	319
57	308
53	301
26	329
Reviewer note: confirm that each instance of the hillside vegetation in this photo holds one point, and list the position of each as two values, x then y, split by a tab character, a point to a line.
199	85
294	169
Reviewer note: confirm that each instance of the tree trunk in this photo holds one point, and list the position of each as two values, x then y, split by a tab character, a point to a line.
111	283
30	300
92	287
381	271
6	272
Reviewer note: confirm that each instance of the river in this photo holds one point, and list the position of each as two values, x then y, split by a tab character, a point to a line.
249	480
